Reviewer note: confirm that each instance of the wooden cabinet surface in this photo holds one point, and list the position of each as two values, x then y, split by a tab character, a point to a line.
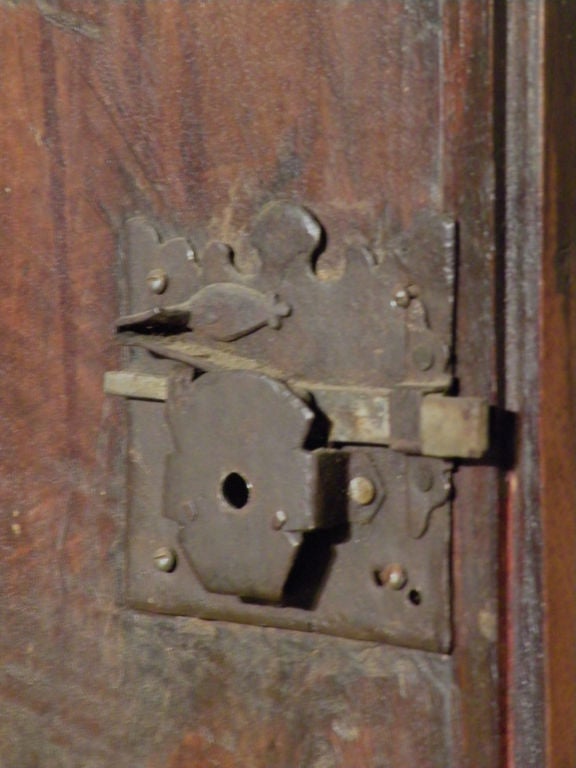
199	111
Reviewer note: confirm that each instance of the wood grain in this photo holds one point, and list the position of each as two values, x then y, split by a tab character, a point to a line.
470	188
540	348
558	386
522	561
194	114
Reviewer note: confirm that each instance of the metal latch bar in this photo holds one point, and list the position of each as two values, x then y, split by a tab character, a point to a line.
449	427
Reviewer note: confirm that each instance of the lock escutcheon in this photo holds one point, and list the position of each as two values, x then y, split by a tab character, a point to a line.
311	455
242	482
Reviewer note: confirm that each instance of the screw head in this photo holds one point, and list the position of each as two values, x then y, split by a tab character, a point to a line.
165	559
423	358
394	576
157	280
361	490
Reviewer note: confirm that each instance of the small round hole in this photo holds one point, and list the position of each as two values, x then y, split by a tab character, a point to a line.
415	597
236	490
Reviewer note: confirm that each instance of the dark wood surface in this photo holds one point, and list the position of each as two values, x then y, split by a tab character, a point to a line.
195	112
522	163
558	388
540	172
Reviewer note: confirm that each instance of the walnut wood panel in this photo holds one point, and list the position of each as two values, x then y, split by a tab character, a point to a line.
522	595
470	148
196	113
541	384
558	385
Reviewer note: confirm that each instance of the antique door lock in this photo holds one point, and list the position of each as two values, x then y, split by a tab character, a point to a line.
291	437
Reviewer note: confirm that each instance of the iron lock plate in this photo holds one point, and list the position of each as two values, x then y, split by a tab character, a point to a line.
290	439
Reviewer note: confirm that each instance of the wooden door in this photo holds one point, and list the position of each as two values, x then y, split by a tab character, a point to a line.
199	111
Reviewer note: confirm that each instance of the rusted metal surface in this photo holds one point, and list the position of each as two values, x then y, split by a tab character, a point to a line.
165	109
245	492
405	333
333	586
241	483
236	428
454	426
136	384
447	427
346	330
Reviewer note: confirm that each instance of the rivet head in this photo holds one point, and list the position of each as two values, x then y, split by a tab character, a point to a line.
279	520
423	358
165	559
401	298
361	490
394	576
157	280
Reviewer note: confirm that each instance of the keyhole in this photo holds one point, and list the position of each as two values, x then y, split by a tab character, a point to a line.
236	490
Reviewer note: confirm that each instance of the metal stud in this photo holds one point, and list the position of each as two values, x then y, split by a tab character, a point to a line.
157	280
279	520
401	298
394	576
361	490
165	559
